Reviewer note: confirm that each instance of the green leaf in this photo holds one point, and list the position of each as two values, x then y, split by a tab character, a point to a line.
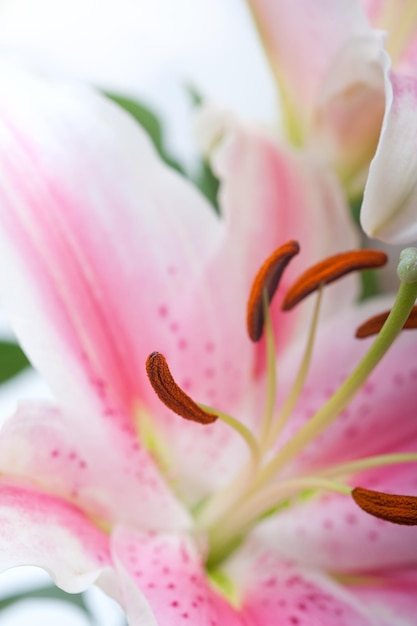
208	184
205	180
12	360
51	593
150	122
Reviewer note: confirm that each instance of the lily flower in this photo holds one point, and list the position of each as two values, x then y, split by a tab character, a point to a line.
245	513
347	76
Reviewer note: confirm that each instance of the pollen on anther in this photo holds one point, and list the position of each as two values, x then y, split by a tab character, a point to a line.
394	508
329	270
373	325
171	394
267	278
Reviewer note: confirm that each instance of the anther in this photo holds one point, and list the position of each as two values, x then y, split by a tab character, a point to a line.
374	324
171	394
329	270
267	278
389	507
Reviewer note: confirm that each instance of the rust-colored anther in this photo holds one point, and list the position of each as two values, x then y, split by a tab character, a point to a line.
171	394
392	508
268	278
329	270
374	324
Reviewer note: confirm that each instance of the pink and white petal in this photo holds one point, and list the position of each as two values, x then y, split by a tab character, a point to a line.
274	591
301	40
350	107
40	529
398	21
389	205
269	195
107	258
380	417
331	533
102	245
39	443
171	584
394	598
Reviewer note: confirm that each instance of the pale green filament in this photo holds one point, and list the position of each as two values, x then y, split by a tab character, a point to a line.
271	388
240	428
239	520
368	463
298	385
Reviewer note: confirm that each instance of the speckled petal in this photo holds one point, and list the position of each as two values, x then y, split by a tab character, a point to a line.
331	533
274	591
171	584
39	529
110	478
102	244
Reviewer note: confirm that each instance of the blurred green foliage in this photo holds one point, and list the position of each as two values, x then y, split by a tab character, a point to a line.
148	119
12	360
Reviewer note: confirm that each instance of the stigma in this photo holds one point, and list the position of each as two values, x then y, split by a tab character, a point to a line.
259	487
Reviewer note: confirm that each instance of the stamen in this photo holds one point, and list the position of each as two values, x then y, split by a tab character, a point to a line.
238	520
359	465
374	324
300	379
267	279
400	311
389	507
171	394
329	270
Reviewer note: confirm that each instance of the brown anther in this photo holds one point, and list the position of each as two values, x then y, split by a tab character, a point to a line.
391	508
374	324
267	278
329	270
171	394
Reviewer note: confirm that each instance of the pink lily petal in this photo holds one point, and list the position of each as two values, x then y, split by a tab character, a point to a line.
103	244
331	533
171	585
382	414
259	181
389	205
350	107
39	440
275	591
397	20
106	252
302	40
42	530
394	598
